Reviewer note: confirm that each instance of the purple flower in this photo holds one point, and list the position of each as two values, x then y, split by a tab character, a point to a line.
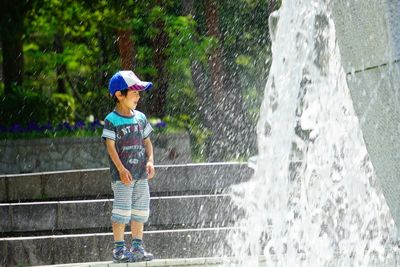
33	126
161	124
16	128
3	129
46	127
64	126
67	126
79	125
95	125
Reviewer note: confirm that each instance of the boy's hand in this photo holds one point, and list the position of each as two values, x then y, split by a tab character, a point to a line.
150	170
125	176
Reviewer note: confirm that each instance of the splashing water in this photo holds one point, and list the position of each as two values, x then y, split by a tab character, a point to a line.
314	199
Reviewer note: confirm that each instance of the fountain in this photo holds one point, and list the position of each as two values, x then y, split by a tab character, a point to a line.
315	199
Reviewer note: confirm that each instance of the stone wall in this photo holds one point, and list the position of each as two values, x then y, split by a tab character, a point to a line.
55	154
368	34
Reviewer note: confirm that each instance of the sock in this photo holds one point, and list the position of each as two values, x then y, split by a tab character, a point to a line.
136	242
119	244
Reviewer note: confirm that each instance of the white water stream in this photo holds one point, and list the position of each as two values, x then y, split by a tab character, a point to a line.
314	199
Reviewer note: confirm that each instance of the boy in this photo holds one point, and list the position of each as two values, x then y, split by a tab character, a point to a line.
126	134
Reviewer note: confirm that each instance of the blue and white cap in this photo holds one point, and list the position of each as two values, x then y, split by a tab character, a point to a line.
126	79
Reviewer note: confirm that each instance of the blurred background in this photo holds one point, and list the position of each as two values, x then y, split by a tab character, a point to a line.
208	61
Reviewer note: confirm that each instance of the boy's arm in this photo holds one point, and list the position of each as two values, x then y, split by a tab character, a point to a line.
148	147
124	174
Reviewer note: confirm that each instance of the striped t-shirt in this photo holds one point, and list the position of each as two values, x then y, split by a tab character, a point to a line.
128	132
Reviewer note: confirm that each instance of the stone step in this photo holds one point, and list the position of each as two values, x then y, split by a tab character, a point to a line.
259	261
95	183
169	211
186	199
192	262
69	249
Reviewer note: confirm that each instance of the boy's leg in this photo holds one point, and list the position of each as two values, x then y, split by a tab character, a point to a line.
121	216
137	230
120	252
118	231
140	201
140	214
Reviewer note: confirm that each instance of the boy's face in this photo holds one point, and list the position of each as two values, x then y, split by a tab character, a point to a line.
130	100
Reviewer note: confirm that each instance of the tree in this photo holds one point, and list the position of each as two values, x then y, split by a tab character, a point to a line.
61	68
12	14
238	66
205	65
229	119
159	44
126	48
215	61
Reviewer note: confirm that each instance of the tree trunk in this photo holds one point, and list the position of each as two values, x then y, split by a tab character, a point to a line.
272	5
218	143
232	132
215	61
103	58
61	69
12	30
126	48
187	7
159	94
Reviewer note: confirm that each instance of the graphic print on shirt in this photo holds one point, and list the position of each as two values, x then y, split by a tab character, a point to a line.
128	134
129	143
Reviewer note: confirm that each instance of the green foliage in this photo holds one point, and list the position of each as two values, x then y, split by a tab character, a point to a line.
50	134
63	108
182	49
80	27
23	107
247	46
83	26
75	44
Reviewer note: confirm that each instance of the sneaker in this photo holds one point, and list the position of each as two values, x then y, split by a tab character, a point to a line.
140	254
121	255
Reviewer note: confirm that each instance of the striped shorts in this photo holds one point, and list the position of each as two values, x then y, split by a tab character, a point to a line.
131	202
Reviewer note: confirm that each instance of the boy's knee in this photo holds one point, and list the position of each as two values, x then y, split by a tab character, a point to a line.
120	219
140	216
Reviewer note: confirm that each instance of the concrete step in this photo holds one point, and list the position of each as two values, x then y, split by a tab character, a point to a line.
68	249
95	183
170	211
186	199
259	261
192	262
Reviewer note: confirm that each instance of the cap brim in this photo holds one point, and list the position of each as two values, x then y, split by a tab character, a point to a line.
148	86
143	86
